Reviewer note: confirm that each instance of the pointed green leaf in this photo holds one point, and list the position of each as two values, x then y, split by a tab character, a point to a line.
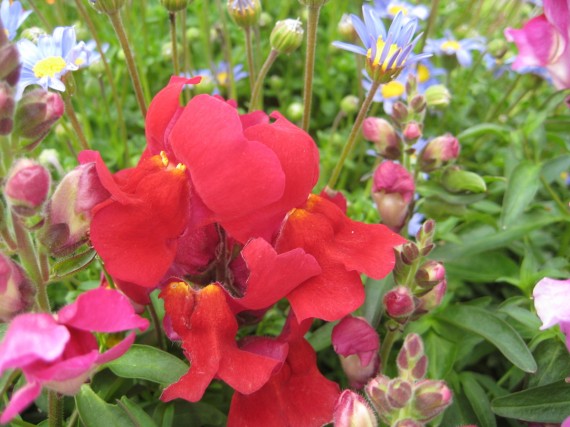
495	330
478	399
95	412
73	264
149	363
522	185
137	415
546	404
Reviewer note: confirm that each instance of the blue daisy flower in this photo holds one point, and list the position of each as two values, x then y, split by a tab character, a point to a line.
390	8
46	62
386	52
462	49
12	16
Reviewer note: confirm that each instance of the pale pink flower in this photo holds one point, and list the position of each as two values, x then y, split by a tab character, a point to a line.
552	302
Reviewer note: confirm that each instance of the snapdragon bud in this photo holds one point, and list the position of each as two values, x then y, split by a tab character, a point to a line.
430	274
383	135
346	28
399	393
438	152
377	391
287	36
411	360
245	13
437	96
412	131
425	235
9	63
7	105
399	112
431	300
456	180
16	290
69	209
399	303
107	6
352	410
35	114
430	399
27	187
174	6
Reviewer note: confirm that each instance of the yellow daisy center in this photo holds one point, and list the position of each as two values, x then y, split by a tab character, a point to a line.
49	67
393	10
392	89
452	45
423	73
379	48
222	78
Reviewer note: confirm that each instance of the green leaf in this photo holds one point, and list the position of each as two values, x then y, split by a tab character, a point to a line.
478	399
137	415
484	129
95	412
522	185
546	404
441	355
73	264
482	268
552	168
495	330
434	190
553	363
321	338
148	363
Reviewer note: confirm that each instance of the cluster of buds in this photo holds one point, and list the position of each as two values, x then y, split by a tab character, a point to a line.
421	283
9	76
410	399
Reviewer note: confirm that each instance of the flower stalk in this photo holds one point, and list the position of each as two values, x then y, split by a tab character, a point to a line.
254	101
175	64
70	112
312	25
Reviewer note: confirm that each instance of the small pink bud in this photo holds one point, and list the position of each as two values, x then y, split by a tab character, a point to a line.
399	393
430	274
6	108
69	210
352	410
16	290
430	399
438	152
27	187
418	103
36	112
399	112
411	360
412	131
9	63
383	135
432	299
399	303
377	391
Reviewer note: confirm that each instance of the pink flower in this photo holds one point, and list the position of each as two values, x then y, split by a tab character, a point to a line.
552	302
544	41
59	352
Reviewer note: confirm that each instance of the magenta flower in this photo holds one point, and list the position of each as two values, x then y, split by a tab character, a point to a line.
552	302
544	41
59	352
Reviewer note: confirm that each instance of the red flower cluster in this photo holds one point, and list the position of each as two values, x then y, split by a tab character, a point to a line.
218	213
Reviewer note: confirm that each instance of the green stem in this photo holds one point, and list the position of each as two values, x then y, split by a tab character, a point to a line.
312	25
254	101
6	155
175	65
562	207
39	14
157	326
205	32
387	343
186	52
508	93
55	408
116	99
117	23
70	112
73	418
353	137
250	61
227	51
429	25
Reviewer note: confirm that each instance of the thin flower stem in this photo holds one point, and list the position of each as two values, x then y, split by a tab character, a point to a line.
312	24
116	99
70	112
508	93
117	23
227	51
429	26
186	52
157	327
387	343
73	418
175	65
250	61
562	207
40	15
55	408
205	32
353	137
254	101
6	155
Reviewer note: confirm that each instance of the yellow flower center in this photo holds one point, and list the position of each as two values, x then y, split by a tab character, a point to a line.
392	89
222	78
451	45
49	67
79	62
7	32
423	73
379	48
393	10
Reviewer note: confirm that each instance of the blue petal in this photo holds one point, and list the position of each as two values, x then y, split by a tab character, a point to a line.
350	47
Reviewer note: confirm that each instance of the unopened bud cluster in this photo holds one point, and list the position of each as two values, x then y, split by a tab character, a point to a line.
410	399
9	76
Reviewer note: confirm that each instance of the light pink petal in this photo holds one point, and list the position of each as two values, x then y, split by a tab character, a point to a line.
65	370
537	42
559	70
566	422
20	401
102	310
30	338
557	13
552	301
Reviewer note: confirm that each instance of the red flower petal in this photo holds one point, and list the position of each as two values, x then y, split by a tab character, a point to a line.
208	327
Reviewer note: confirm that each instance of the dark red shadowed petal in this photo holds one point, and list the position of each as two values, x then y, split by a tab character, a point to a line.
207	327
138	241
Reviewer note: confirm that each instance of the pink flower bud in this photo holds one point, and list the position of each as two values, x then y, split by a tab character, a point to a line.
377	391
438	152
6	108
411	360
383	135
412	131
430	399
352	410
36	112
27	186
69	210
399	303
16	290
357	343
9	64
399	393
432	299
430	274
